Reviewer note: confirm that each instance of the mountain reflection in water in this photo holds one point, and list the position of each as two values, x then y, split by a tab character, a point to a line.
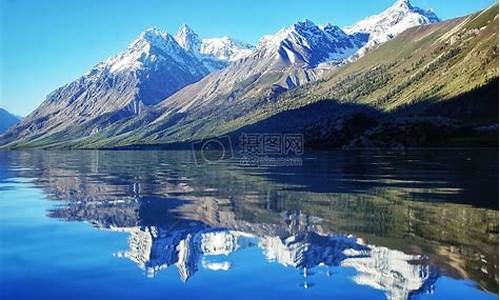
392	271
400	220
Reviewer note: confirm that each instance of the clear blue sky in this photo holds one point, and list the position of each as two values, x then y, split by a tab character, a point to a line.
45	44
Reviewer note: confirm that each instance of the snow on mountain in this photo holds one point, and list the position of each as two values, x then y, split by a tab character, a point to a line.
215	52
281	61
302	42
287	59
397	274
307	43
226	48
188	39
392	21
148	49
153	67
292	57
157	65
191	42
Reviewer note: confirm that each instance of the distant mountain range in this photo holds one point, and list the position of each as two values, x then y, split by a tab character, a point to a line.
7	120
168	89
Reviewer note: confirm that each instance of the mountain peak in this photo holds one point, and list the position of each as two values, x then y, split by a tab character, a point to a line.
150	46
306	28
188	39
152	34
305	43
185	31
184	28
406	8
306	23
391	22
332	29
405	4
297	31
152	37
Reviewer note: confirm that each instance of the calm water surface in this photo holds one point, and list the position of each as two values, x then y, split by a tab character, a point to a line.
157	225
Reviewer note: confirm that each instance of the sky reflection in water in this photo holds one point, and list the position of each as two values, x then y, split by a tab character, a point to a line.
351	225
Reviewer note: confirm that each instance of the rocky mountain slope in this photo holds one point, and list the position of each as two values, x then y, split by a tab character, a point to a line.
261	89
432	84
153	67
435	73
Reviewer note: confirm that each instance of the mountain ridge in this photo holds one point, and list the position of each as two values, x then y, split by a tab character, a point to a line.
279	64
151	68
215	53
395	80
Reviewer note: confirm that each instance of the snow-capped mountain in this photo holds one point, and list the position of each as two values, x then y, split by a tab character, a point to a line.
153	67
157	66
216	53
285	60
188	39
226	48
294	56
281	61
191	42
307	43
150	48
391	22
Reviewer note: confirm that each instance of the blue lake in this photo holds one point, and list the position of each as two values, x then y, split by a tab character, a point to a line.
417	224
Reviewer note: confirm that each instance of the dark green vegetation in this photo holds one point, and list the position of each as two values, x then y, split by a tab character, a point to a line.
432	85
